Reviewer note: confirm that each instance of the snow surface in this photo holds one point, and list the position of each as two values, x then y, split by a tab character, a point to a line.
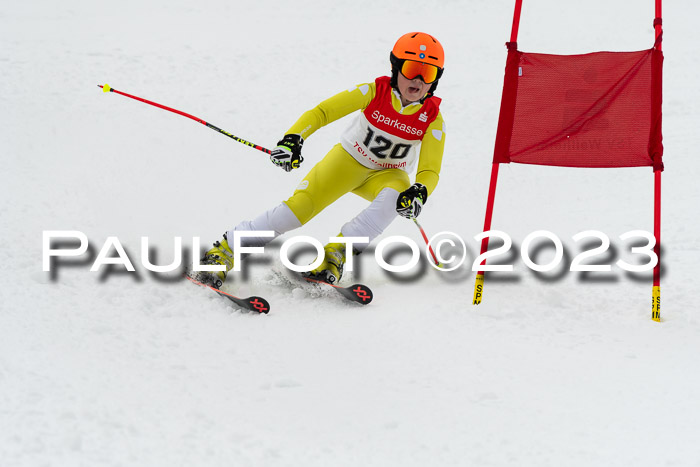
130	369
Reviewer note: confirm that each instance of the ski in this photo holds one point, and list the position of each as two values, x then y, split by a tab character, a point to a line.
253	303
358	293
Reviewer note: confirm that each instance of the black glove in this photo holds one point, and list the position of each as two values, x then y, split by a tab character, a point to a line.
410	202
287	154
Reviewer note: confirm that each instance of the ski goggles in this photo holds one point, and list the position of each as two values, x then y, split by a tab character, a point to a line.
411	70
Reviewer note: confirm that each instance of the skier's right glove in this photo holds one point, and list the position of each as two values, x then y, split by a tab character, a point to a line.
287	154
410	202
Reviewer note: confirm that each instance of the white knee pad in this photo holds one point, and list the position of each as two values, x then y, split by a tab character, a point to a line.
376	217
279	219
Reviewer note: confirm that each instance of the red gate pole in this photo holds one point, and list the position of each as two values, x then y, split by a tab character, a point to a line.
479	282
656	287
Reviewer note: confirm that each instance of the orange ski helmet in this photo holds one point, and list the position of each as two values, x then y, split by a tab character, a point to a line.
418	47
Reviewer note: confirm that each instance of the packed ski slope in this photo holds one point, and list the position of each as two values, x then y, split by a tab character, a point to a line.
113	368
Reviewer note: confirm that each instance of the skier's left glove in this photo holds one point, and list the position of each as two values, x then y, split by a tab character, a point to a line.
287	154
410	202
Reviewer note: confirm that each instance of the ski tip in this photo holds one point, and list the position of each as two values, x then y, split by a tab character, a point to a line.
253	303
259	304
362	293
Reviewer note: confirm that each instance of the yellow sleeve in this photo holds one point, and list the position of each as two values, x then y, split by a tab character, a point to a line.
334	108
430	160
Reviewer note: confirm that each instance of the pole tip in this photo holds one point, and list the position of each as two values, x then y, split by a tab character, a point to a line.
105	87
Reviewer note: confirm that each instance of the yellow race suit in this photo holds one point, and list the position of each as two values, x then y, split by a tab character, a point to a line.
387	155
373	160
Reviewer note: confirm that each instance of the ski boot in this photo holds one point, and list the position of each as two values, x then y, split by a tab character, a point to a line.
221	255
331	270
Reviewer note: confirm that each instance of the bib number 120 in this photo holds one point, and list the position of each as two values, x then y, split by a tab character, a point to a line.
383	147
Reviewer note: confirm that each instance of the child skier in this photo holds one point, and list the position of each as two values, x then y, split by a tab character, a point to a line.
373	159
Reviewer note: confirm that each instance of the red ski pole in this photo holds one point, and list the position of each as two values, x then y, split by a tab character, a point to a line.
427	242
107	88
